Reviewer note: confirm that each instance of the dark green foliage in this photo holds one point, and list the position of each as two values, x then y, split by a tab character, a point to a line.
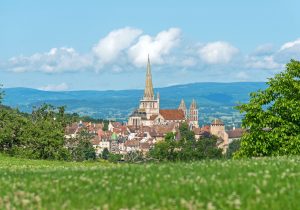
81	147
105	154
111	157
114	157
187	148
186	133
38	136
232	148
272	116
12	130
105	127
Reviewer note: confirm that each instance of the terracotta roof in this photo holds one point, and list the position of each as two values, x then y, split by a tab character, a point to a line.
172	114
96	140
145	146
236	133
71	129
132	143
161	130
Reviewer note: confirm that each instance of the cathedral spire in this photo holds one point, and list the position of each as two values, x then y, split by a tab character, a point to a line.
148	93
193	105
182	105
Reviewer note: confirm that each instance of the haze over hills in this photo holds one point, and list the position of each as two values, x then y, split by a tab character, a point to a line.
214	100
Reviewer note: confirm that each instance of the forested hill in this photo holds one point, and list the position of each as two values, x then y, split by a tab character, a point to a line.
213	99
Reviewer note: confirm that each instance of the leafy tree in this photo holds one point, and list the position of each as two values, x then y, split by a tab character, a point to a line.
185	149
39	135
81	147
186	133
206	148
232	148
105	154
12	130
105	126
44	134
272	116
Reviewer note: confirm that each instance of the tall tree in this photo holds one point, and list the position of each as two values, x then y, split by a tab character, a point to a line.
82	148
45	134
272	116
105	154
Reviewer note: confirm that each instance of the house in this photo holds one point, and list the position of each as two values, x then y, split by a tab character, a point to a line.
235	134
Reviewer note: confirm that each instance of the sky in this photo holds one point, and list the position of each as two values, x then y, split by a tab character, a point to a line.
99	45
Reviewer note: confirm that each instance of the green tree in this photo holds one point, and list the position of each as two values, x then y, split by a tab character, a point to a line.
232	148
105	154
105	126
272	116
12	130
44	134
186	133
185	149
206	148
81	147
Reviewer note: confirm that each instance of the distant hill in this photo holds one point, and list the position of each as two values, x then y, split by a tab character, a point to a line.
214	99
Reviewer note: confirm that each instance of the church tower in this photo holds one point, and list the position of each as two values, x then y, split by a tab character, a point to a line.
149	103
193	115
183	108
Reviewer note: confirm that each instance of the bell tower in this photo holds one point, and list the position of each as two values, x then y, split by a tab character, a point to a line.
183	108
149	103
193	115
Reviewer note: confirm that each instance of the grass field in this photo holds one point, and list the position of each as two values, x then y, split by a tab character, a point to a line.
268	183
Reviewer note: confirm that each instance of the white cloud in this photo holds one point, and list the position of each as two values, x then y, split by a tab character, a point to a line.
265	62
288	51
108	48
157	47
60	87
127	48
265	49
217	52
189	62
291	44
56	60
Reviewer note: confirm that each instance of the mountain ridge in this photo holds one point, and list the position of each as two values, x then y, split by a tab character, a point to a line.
214	99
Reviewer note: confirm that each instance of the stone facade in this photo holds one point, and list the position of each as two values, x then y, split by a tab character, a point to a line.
150	114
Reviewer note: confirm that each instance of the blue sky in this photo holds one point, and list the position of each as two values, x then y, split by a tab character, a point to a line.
71	45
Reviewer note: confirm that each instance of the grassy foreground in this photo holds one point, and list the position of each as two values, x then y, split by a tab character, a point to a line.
268	183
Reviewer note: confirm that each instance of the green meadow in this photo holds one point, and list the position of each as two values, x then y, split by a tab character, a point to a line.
264	183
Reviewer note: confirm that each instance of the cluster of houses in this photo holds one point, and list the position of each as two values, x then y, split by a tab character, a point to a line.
149	124
122	138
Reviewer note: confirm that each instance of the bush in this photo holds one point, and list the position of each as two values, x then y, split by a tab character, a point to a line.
114	157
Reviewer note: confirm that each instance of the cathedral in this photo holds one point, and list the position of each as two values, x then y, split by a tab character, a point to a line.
149	112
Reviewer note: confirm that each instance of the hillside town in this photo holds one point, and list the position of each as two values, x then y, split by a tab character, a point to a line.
149	124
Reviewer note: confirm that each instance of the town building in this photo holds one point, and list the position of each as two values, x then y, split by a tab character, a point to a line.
150	114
